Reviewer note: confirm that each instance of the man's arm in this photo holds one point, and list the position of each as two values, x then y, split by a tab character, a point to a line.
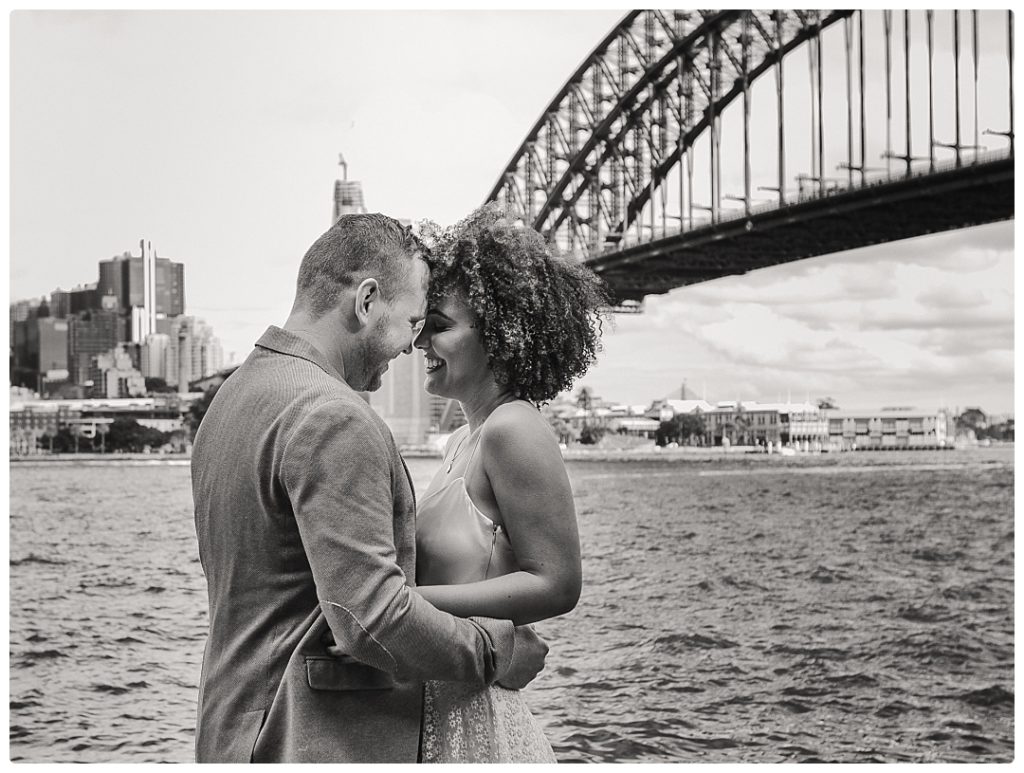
336	470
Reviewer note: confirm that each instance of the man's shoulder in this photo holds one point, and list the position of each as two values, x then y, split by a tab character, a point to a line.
318	397
296	390
293	375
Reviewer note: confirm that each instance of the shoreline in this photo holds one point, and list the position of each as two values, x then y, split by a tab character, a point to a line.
641	454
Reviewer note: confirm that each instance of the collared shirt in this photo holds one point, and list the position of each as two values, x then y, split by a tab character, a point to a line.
283	341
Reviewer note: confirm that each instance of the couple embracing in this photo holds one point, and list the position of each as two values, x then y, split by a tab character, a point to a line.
349	622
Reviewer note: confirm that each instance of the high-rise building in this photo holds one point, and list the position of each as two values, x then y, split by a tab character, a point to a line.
113	374
134	303
60	304
53	347
170	284
401	401
146	286
24	341
410	411
83	298
20	312
153	360
193	352
90	333
348	194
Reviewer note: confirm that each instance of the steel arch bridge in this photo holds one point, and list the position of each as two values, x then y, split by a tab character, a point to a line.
815	131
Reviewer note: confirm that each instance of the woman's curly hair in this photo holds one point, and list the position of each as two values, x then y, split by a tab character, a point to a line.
540	315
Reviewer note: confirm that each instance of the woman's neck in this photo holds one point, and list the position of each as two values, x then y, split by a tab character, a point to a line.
478	408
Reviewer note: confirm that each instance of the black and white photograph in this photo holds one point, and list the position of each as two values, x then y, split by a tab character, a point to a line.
491	385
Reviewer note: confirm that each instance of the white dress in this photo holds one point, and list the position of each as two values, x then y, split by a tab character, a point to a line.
456	543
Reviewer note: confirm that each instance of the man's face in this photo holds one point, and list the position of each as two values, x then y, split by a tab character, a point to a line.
400	319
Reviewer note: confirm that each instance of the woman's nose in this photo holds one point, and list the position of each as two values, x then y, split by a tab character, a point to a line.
421	338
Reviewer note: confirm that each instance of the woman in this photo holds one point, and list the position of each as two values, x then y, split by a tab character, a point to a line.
509	325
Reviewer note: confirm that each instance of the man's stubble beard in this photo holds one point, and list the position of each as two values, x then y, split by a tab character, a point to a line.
373	355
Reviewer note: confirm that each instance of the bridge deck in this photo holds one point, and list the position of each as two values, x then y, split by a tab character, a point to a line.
872	214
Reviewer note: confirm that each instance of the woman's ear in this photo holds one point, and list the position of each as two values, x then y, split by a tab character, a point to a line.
367	294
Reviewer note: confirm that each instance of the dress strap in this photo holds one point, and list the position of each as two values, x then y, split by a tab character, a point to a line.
472	451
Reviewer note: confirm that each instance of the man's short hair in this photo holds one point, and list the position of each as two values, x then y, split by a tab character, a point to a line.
353	249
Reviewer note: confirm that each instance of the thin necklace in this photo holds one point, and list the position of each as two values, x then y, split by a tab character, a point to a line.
458	450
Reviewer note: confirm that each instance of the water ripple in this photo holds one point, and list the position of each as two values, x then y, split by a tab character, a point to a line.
844	608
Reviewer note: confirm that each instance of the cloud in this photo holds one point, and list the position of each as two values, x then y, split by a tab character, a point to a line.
952	296
896	330
967	250
965	342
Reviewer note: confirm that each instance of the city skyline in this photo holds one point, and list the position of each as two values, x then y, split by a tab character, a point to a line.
113	336
238	156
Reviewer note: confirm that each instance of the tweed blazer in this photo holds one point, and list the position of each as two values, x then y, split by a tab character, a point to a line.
305	518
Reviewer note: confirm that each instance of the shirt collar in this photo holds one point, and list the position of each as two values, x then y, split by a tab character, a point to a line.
286	342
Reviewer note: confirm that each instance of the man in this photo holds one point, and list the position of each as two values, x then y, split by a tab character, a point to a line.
304	512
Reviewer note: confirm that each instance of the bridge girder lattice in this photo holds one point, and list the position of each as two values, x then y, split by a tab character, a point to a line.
594	172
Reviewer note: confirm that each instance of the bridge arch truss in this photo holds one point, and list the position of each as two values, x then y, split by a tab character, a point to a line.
632	148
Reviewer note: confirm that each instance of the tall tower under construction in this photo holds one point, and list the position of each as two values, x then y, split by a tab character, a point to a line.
348	194
408	410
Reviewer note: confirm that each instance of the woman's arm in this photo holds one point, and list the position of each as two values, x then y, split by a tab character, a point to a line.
524	466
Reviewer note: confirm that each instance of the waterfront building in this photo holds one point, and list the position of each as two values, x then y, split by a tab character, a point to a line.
632	420
570	417
748	422
666	410
33	420
888	428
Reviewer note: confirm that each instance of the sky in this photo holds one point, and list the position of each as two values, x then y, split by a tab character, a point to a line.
215	136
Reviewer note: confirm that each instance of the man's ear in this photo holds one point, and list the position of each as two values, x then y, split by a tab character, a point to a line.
367	294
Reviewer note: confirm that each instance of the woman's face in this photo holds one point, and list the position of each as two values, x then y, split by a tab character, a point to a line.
456	359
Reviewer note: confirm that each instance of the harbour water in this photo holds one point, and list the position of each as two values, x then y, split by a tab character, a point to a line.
854	607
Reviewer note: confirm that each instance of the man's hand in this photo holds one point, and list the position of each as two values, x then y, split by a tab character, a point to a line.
527	660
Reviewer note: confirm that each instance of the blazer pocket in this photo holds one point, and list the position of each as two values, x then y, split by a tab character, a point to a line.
324	672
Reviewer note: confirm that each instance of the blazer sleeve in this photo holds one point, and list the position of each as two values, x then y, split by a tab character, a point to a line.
336	469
